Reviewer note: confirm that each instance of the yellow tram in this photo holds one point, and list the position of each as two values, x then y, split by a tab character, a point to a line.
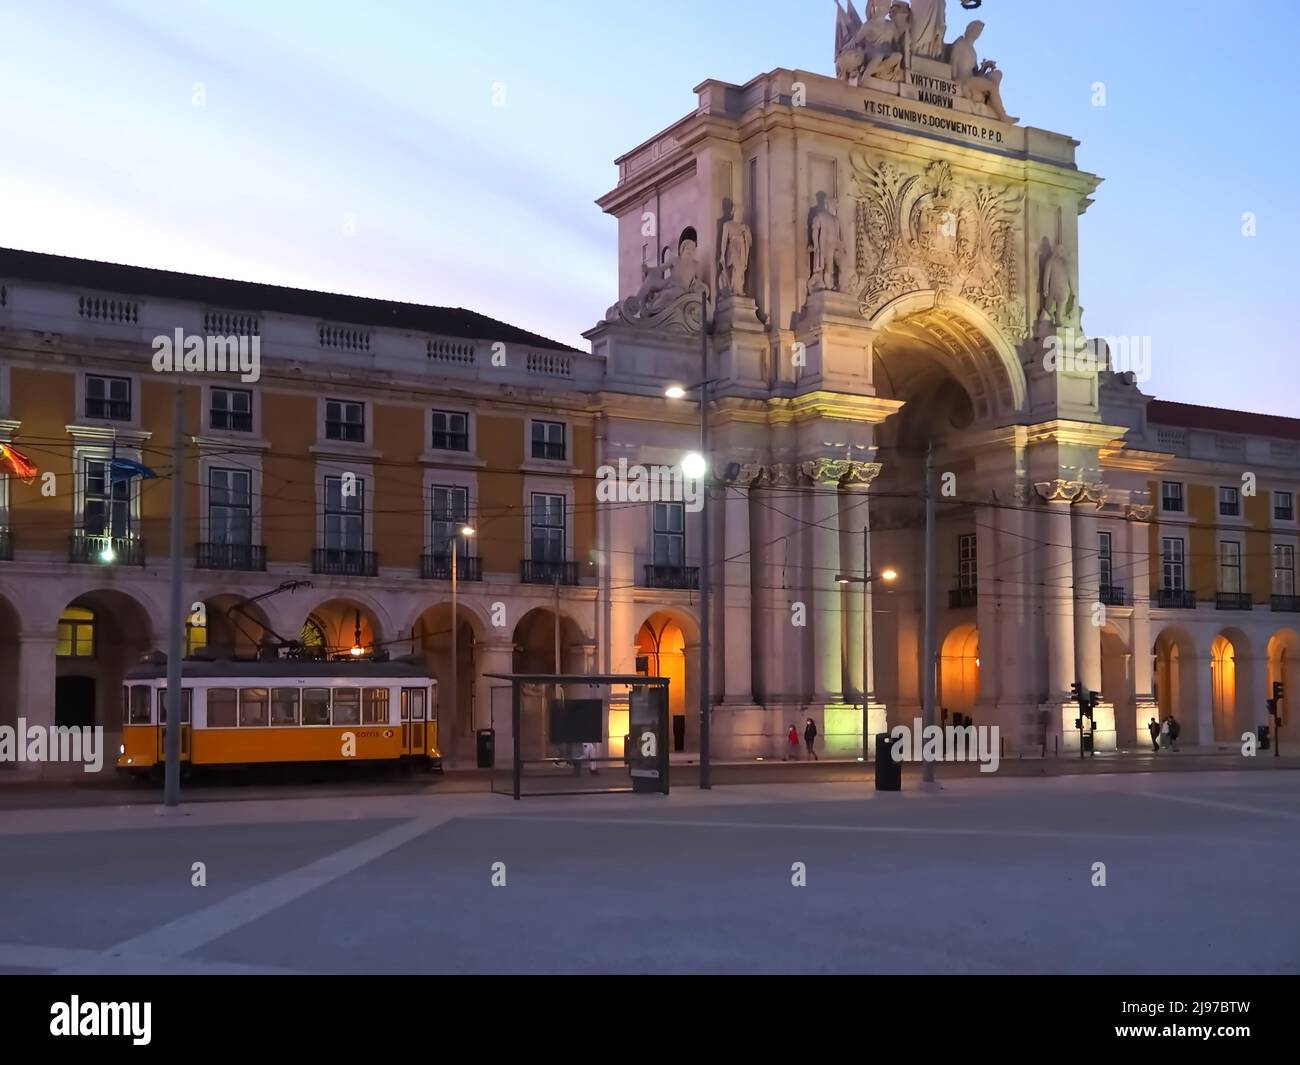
283	711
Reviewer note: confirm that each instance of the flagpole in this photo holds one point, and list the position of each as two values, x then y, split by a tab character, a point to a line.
175	697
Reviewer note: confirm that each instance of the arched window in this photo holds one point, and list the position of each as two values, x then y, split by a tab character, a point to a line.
76	633
196	638
313	633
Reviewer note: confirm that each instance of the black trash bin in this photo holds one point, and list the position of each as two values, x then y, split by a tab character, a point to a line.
486	747
1263	737
889	773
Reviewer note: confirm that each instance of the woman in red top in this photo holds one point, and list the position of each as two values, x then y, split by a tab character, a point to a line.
792	738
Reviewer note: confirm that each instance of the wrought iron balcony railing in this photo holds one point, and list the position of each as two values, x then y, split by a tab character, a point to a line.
532	571
662	576
6	546
344	562
1112	595
960	598
1233	601
1286	604
438	568
1175	599
106	550
250	557
450	441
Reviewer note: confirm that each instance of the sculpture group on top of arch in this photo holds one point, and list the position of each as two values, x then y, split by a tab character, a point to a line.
895	32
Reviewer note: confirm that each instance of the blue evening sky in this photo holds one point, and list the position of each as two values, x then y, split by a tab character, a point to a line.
354	147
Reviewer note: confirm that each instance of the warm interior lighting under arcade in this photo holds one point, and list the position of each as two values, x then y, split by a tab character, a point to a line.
357	650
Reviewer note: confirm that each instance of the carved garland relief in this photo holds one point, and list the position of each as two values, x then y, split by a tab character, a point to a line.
916	231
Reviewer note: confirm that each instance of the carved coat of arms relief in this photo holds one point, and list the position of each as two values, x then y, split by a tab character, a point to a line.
926	230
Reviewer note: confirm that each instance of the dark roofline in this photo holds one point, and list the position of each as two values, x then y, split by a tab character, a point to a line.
1192	416
230	294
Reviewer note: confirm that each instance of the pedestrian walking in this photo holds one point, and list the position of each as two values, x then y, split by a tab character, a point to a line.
792	740
1174	729
589	753
1164	734
810	737
1153	727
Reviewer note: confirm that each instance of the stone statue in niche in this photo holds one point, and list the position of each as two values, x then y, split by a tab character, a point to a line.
830	267
877	48
980	82
733	257
1057	287
670	293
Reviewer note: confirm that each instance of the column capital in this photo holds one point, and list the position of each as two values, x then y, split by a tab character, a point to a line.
1059	490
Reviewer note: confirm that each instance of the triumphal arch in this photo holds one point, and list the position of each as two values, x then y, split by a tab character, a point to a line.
884	262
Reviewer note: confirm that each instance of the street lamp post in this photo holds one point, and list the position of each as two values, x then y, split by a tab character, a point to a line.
697	465
465	530
888	575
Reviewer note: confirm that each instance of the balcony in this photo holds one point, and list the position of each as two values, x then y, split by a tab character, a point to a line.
438	568
108	410
685	577
6	546
344	562
962	598
533	572
1175	599
251	557
1286	604
1112	595
551	450
1233	601
450	441
106	550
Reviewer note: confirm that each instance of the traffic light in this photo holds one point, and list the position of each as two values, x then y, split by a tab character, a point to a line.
1076	693
1272	707
1277	690
1093	699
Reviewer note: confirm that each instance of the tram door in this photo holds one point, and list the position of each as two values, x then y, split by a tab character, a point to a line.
186	703
415	720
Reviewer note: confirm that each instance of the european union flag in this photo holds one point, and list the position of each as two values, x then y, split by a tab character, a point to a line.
125	469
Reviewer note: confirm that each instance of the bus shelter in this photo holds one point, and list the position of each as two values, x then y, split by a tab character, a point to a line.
585	734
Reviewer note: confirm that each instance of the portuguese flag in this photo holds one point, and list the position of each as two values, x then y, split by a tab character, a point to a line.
15	462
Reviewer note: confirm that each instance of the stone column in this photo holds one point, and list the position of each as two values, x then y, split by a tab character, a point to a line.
825	610
1138	581
495	656
738	686
1057	569
1087	632
860	672
781	660
36	673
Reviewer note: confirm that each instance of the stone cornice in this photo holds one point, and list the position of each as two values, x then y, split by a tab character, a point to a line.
1085	434
1123	458
869	409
